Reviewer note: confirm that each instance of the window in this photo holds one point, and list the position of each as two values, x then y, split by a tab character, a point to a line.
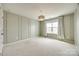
52	27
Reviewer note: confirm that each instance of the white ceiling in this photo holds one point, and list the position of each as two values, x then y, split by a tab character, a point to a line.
32	10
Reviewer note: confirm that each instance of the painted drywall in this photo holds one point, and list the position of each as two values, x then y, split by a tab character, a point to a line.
76	28
69	28
17	27
43	29
1	28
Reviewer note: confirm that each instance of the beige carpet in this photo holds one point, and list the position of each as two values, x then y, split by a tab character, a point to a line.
40	47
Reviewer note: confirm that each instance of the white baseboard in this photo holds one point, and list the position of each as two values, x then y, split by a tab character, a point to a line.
8	44
1	47
19	41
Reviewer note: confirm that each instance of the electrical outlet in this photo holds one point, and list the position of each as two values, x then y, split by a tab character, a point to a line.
2	33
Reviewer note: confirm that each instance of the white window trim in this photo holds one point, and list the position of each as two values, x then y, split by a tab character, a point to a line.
51	21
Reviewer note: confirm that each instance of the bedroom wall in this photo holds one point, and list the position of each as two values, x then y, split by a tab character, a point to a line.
43	31
1	29
76	28
68	24
18	27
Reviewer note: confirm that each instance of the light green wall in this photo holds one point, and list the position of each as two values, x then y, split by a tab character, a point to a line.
18	27
42	28
1	29
43	31
67	28
76	28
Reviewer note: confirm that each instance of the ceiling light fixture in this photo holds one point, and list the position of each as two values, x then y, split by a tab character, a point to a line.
41	17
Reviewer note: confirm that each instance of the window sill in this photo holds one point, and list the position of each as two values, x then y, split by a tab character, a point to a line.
51	33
